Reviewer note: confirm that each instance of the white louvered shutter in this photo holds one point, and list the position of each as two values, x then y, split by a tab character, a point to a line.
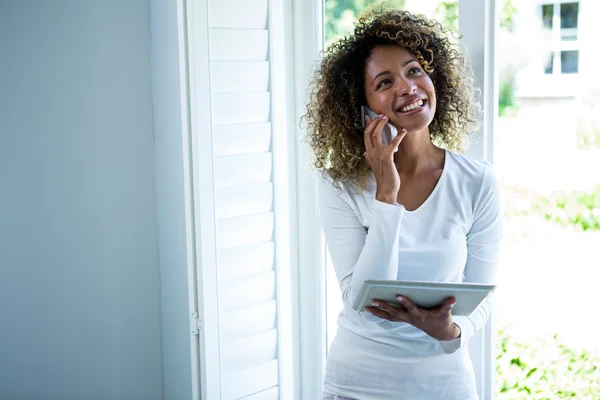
249	259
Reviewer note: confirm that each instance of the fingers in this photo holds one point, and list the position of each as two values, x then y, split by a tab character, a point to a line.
367	135
381	121
410	306
373	132
397	140
396	313
381	313
415	315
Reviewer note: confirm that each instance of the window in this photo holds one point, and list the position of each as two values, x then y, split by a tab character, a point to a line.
560	25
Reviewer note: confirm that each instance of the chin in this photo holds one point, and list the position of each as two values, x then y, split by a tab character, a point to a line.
412	124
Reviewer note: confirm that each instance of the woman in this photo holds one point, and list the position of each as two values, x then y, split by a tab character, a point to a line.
411	210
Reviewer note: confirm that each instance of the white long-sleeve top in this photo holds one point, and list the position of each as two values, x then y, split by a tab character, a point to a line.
454	236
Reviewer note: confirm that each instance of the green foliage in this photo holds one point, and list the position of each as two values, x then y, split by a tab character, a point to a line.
578	209
589	140
544	369
340	15
508	12
507	102
447	13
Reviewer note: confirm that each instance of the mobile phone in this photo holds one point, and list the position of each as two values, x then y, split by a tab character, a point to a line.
389	131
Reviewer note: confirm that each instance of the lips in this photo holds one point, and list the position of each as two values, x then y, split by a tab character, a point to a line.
411	105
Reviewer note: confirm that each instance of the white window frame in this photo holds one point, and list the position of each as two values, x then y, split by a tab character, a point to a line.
556	44
479	39
308	42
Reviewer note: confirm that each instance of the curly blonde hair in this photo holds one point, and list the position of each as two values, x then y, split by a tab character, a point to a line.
336	90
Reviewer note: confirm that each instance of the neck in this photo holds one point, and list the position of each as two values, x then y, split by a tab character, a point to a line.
417	153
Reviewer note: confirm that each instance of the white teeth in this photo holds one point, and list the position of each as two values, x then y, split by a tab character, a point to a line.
412	106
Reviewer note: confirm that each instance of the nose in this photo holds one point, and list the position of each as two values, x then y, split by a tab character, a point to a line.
405	87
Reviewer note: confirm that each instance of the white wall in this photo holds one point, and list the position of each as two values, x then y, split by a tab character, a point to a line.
79	278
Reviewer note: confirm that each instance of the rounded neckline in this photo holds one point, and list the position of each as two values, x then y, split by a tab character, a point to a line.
436	187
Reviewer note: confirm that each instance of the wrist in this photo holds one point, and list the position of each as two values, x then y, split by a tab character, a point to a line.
387	198
453	332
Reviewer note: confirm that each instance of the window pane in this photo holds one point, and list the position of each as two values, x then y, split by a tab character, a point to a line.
569	61
341	14
568	15
547	13
549	63
568	35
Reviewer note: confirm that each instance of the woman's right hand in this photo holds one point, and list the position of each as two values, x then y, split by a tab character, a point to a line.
381	159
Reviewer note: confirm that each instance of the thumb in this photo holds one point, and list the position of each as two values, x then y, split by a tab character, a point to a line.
449	303
398	139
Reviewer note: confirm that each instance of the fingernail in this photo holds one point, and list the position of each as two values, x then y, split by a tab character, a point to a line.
400	298
380	115
376	304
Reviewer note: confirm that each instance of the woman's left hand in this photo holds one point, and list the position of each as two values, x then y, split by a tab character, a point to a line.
437	323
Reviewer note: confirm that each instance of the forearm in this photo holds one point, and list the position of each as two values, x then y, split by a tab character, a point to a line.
379	257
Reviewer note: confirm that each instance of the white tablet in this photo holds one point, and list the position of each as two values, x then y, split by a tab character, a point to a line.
426	295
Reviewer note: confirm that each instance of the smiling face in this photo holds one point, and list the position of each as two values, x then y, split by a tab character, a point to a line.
398	86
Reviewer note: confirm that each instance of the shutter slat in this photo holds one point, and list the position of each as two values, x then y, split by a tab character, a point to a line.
249	352
241	139
269	394
244	322
243	231
243	170
244	261
239	45
243	292
250	381
250	14
238	201
239	76
240	108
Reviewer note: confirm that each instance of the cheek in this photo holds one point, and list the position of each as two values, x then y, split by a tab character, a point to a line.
432	96
379	101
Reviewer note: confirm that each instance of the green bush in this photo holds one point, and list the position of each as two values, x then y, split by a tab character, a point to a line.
588	140
578	209
544	369
507	102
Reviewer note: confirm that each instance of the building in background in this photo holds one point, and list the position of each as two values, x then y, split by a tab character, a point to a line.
557	83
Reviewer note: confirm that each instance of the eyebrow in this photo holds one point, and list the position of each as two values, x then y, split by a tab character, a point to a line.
389	72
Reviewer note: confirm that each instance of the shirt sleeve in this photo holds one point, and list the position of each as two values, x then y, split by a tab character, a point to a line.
483	248
358	255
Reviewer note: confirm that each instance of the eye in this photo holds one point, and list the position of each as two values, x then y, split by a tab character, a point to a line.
414	70
383	82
